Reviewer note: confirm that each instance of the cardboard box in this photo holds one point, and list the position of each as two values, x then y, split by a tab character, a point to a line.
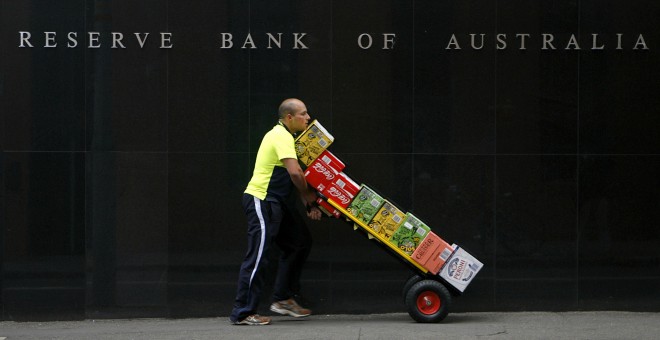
312	142
319	175
337	194
347	184
337	186
332	161
366	204
328	209
432	252
439	258
387	220
460	269
410	234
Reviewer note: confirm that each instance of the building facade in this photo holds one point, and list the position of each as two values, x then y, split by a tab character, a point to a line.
526	131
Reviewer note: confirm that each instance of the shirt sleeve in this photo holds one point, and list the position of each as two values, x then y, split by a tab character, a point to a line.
285	146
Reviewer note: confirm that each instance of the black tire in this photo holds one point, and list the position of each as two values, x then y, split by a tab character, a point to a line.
428	301
411	281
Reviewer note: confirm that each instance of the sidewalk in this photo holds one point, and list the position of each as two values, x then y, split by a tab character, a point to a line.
526	325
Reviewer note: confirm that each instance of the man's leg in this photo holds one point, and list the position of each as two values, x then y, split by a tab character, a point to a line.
264	219
295	241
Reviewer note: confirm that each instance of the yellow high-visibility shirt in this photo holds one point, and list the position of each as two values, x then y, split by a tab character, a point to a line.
270	178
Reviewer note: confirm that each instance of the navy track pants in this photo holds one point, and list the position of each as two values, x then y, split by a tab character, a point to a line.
268	222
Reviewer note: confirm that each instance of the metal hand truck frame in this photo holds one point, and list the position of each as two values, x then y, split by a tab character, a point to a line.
426	295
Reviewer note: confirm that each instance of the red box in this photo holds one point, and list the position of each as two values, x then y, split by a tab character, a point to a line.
432	252
338	195
332	161
342	189
327	208
319	175
439	257
345	183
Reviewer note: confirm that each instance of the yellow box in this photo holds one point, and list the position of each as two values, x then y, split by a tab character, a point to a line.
312	142
387	220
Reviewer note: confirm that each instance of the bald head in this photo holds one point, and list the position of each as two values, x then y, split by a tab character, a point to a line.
289	106
293	114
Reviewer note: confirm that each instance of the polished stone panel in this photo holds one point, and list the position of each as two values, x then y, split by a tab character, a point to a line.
206	234
454	193
207	86
127	233
42	89
537	87
619	106
618	232
205	212
44	237
126	102
454	89
536	231
536	216
372	113
2	225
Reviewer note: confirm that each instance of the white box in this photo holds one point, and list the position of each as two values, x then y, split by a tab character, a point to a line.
460	269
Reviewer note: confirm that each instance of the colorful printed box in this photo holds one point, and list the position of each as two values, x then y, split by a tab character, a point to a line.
387	220
322	175
366	204
410	234
312	142
319	175
432	252
342	190
460	269
347	184
327	209
331	160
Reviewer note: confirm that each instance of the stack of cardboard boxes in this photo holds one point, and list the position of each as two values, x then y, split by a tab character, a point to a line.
325	175
403	231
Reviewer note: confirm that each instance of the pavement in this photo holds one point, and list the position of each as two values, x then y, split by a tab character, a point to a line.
522	325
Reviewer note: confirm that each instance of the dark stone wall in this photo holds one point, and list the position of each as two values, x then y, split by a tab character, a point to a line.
122	168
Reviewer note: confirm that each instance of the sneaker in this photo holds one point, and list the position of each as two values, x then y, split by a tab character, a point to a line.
290	307
253	320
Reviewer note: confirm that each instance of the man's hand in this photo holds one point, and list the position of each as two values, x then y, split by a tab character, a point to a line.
310	197
315	214
307	194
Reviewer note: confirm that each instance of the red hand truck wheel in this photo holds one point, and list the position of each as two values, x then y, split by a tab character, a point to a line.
428	301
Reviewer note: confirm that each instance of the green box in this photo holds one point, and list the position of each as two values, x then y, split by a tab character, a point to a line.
366	204
410	234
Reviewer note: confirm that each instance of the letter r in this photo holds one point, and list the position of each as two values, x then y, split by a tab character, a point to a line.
25	39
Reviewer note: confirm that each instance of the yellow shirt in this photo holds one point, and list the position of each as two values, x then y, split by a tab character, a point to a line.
270	178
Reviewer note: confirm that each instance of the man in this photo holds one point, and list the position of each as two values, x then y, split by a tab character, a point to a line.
270	219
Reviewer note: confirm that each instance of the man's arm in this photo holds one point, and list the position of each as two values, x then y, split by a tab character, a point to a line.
298	178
